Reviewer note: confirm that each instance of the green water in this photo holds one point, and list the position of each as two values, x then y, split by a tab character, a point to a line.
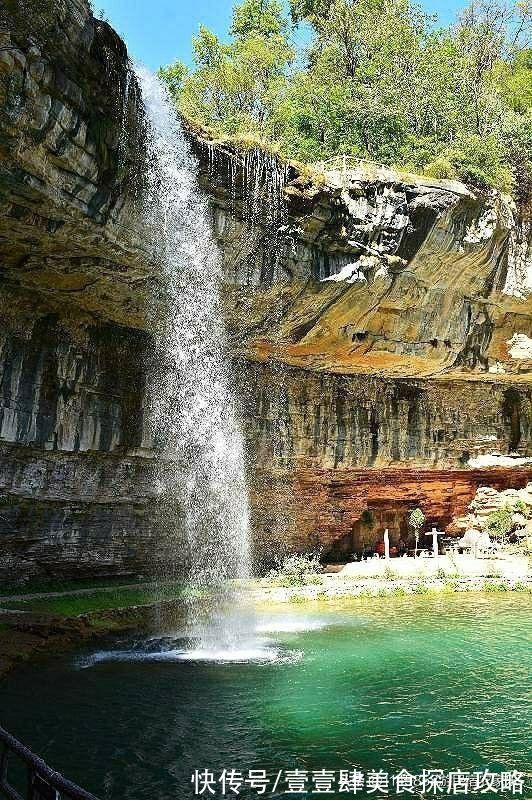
380	684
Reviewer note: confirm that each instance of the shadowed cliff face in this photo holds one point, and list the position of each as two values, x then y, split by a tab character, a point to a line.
321	421
74	486
71	162
380	324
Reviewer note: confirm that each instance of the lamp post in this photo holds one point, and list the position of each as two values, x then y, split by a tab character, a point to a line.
386	545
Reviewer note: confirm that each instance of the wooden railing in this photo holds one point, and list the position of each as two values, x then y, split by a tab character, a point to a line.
42	783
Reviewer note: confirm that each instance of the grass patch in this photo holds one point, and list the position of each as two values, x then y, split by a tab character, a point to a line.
390	574
41	587
421	588
492	586
399	591
74	605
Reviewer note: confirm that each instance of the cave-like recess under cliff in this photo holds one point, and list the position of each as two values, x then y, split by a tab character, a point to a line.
380	324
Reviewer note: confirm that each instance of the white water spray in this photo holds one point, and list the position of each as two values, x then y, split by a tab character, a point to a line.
195	420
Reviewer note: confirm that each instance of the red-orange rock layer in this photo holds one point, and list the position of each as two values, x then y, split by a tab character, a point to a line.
327	507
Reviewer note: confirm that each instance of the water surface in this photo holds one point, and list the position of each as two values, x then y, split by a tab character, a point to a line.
380	684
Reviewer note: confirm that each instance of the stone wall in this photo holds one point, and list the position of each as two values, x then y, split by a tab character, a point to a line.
299	417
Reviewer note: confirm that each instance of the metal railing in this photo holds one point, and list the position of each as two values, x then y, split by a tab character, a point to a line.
347	163
42	782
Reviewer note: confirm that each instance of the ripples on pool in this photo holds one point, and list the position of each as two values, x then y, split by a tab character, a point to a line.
381	684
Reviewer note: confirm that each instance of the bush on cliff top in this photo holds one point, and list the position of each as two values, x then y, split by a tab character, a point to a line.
372	78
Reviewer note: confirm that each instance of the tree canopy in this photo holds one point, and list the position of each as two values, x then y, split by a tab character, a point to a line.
378	79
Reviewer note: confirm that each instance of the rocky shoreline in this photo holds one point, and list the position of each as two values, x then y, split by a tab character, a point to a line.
26	636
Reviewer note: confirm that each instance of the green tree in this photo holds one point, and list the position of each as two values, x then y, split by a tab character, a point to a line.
310	10
174	76
263	18
416	520
377	80
234	87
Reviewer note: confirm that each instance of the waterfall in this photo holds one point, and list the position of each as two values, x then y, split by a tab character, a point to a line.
193	405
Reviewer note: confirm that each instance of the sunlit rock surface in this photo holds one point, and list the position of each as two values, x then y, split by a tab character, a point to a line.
386	319
380	324
373	272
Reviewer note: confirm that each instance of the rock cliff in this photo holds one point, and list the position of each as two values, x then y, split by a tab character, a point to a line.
386	320
74	264
380	323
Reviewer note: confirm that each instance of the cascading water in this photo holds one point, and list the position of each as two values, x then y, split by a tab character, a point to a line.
195	419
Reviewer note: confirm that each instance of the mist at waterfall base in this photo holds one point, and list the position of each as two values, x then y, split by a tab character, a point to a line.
201	475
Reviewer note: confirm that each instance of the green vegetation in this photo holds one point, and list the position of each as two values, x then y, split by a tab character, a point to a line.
376	79
47	586
100	600
297	570
502	523
416	520
499	523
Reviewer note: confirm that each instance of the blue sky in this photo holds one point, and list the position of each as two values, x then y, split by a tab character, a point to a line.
159	31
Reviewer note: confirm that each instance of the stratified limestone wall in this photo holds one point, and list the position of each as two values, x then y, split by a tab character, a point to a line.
376	271
71	160
76	514
300	417
76	477
419	282
327	448
74	486
70	383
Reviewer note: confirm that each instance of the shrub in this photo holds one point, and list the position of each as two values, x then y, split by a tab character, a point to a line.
367	519
491	586
299	569
494	572
399	591
479	161
520	507
500	523
441	168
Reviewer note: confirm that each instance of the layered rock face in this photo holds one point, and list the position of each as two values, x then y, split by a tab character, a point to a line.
71	160
74	477
370	271
387	320
380	324
334	450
